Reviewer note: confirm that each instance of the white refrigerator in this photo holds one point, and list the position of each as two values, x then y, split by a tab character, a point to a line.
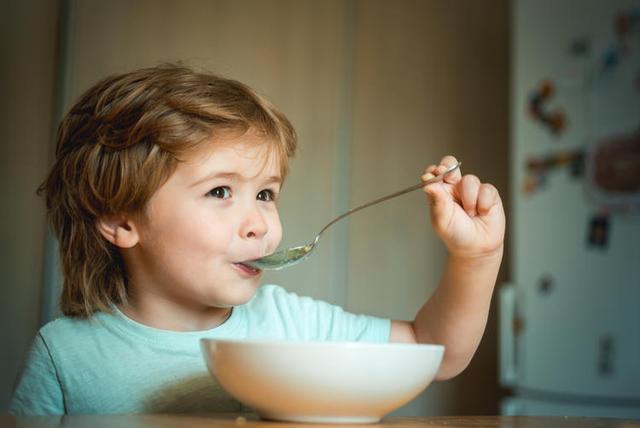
570	318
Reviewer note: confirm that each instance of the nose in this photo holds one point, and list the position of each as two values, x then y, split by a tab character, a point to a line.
253	224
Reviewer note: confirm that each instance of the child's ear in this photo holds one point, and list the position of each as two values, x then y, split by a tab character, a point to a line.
119	230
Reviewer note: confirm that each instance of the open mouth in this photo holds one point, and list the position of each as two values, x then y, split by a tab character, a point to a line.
248	270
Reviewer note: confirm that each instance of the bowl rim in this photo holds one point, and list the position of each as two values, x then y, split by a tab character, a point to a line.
324	344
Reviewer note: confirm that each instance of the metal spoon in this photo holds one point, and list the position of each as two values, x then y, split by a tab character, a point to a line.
294	255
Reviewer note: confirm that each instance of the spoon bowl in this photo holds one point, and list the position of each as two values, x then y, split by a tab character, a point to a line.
284	258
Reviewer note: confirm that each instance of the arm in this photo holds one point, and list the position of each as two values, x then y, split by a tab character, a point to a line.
469	218
38	391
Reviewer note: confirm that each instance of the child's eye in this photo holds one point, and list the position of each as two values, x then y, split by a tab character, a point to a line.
267	195
222	192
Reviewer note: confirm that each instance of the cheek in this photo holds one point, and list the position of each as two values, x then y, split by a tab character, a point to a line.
275	233
194	235
211	234
217	239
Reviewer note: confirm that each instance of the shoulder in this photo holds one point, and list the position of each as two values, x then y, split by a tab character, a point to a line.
287	313
312	319
275	313
65	324
67	337
68	328
38	390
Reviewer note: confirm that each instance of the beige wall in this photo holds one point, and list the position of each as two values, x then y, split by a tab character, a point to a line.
287	50
431	78
376	91
27	46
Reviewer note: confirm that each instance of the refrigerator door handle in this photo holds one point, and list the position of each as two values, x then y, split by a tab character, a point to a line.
507	320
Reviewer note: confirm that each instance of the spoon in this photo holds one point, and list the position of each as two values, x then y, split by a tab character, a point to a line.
291	256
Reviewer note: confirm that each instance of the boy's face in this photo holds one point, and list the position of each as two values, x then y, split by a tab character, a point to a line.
216	210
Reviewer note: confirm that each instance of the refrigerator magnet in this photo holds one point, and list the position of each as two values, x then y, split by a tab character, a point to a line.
598	233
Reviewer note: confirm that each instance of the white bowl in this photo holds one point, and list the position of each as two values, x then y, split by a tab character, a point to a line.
325	382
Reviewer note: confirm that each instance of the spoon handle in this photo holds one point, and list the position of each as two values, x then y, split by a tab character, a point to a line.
392	195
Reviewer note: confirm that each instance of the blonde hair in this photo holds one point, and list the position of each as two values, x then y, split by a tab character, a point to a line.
118	144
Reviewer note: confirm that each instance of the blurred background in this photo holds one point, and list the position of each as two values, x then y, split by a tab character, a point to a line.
521	91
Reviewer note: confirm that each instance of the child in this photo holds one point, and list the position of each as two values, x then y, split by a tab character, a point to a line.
165	183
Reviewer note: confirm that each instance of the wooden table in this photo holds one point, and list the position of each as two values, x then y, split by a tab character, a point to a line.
231	421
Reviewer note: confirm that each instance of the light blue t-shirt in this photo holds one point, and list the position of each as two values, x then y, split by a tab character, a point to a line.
112	364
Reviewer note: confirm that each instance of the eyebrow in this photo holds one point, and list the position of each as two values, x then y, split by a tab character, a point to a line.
234	176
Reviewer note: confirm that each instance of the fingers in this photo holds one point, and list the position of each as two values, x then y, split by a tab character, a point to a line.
475	197
438	195
445	163
488	196
469	189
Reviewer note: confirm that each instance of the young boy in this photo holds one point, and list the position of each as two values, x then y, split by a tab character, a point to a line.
165	182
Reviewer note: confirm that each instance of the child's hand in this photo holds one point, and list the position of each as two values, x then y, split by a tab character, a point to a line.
466	214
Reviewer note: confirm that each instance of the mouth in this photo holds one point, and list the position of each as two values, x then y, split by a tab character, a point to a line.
246	269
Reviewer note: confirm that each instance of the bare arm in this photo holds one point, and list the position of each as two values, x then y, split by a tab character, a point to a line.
469	218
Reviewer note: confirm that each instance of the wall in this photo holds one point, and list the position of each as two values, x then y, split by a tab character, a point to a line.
27	46
376	91
431	79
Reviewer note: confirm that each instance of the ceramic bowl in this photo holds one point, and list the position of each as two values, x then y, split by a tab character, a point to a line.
322	382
